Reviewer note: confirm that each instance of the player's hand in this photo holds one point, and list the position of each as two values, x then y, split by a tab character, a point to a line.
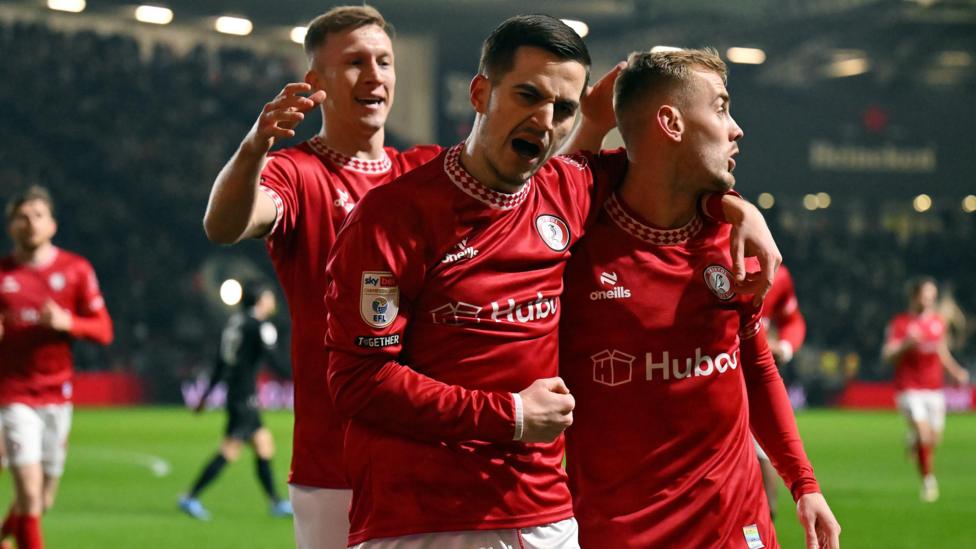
596	106
280	116
547	410
822	529
55	317
751	238
962	376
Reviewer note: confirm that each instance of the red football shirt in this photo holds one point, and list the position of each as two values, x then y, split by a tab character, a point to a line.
445	299
314	188
920	367
35	361
660	452
781	310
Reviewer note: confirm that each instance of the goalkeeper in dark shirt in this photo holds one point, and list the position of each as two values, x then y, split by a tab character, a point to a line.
247	342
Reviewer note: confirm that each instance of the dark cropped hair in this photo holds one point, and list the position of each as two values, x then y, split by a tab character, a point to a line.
339	19
34	192
538	31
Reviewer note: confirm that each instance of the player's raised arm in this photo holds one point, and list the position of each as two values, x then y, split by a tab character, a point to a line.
596	115
236	210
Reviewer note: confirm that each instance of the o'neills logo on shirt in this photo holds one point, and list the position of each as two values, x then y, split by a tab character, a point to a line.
615	292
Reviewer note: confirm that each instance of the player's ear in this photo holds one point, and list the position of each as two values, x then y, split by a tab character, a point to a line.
312	79
670	122
478	92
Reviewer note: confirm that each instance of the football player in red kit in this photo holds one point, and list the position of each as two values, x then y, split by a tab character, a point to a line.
296	199
667	360
916	344
444	302
48	297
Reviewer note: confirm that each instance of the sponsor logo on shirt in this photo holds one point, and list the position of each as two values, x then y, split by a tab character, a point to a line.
612	367
751	533
369	342
719	281
464	252
9	285
554	231
379	298
616	292
343	201
56	281
458	313
698	366
527	311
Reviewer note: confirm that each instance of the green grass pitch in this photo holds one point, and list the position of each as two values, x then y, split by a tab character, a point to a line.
112	497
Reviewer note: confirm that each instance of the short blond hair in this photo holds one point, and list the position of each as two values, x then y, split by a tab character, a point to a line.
34	192
339	19
667	72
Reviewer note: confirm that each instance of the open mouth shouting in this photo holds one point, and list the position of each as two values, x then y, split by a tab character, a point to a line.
371	101
528	148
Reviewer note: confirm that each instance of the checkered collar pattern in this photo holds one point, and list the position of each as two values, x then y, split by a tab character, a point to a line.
382	165
658	237
471	187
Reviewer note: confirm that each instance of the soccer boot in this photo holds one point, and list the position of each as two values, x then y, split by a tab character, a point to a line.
194	508
281	508
930	489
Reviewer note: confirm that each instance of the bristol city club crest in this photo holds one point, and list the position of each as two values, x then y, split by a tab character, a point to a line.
56	281
554	232
379	299
719	281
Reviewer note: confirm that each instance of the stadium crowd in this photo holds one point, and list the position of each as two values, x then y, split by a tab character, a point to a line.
167	122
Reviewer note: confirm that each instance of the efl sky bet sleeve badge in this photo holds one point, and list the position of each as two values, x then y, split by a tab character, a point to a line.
379	298
554	231
719	281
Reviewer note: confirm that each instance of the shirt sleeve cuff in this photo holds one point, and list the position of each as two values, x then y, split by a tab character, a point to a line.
519	418
279	205
711	206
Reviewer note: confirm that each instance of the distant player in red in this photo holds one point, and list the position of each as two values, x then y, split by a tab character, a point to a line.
781	312
48	296
785	331
667	361
296	199
915	343
444	302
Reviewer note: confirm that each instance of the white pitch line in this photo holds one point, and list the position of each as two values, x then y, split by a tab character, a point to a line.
158	466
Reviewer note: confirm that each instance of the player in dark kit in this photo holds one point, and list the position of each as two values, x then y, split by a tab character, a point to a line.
48	297
247	342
